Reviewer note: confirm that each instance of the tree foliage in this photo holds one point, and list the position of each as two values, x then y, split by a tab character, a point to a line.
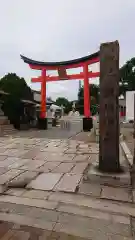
94	98
127	76
16	86
61	101
18	90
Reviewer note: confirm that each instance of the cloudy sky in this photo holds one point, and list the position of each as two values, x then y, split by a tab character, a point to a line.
55	30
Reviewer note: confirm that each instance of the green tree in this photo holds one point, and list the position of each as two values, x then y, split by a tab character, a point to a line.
64	101
17	89
94	98
127	77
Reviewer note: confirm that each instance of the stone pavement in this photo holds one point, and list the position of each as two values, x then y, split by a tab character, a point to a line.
44	164
51	133
44	196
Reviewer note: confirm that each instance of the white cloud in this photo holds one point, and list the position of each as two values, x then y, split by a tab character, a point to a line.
49	30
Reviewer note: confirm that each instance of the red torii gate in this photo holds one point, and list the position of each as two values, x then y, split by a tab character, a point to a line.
62	75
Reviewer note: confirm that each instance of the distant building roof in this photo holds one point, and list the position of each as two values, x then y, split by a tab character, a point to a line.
55	107
28	102
37	97
35	91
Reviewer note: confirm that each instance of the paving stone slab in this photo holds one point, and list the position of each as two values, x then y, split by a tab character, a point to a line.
81	158
64	236
94	158
28	211
20	235
15	191
23	179
4	228
38	203
32	165
63	168
3	188
8	235
133	192
2	150
98	204
18	163
133	226
113	180
90	189
8	161
37	194
71	151
88	151
79	168
46	215
42	156
13	208
15	152
2	157
68	183
45	181
35	233
48	166
3	170
119	194
67	158
6	177
23	220
53	144
91	228
55	157
42	143
31	153
121	219
54	149
21	146
84	211
84	145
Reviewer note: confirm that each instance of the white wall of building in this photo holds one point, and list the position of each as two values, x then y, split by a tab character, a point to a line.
37	97
130	105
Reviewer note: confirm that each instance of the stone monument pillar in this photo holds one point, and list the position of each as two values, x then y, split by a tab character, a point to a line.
109	108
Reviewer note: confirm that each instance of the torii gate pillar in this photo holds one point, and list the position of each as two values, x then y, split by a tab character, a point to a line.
42	121
87	120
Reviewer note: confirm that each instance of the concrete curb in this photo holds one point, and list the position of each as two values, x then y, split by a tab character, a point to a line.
121	137
127	153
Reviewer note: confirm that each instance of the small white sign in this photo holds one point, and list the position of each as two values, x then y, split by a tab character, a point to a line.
130	105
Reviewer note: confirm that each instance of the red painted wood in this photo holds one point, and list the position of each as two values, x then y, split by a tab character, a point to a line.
73	77
36	80
69	77
43	94
86	92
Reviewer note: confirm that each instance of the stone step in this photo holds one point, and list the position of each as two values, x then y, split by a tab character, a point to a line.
67	202
7	129
72	214
4	120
